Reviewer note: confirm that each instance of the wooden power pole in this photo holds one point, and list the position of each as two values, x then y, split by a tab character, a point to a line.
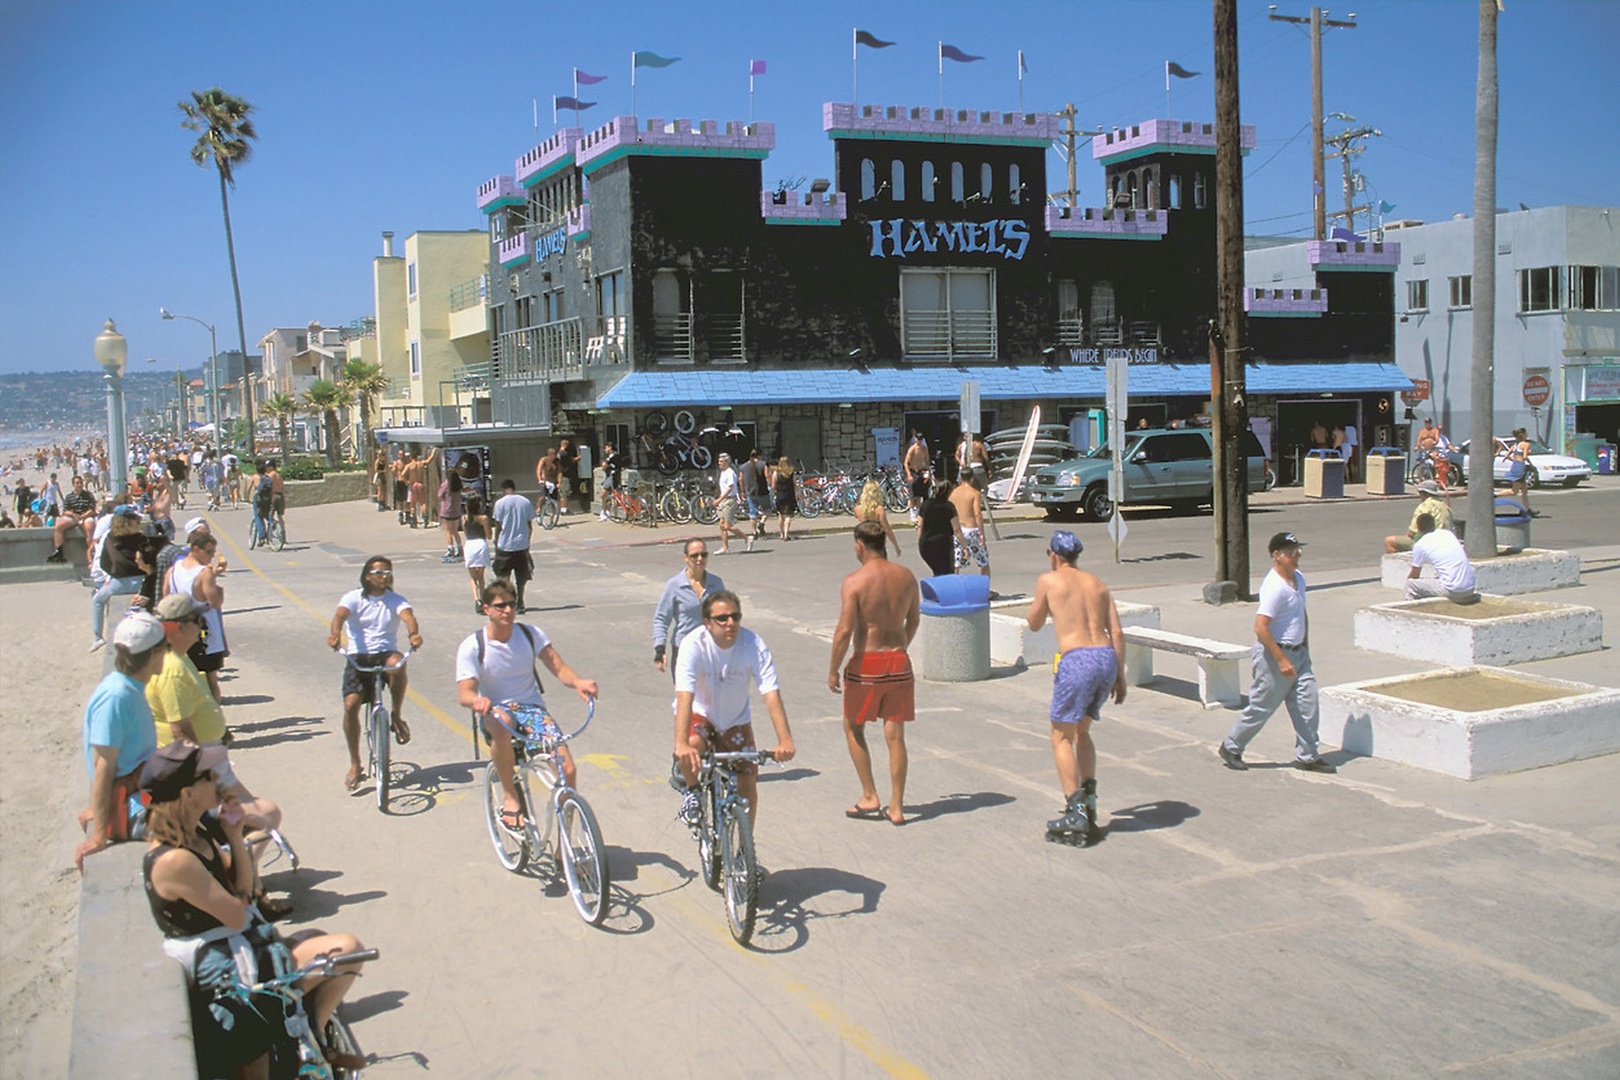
1227	336
1318	170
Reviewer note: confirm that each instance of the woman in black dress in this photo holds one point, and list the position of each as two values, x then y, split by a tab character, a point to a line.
939	530
785	495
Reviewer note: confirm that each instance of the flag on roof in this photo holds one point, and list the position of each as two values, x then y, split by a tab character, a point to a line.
756	67
1173	68
871	40
1023	68
951	52
563	101
585	79
653	60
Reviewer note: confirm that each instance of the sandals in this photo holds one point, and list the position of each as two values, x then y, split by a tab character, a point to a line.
354	778
402	730
512	820
865	813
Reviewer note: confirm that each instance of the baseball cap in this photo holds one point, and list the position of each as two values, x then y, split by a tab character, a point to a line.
177	606
175	766
1284	540
1065	544
138	632
194	524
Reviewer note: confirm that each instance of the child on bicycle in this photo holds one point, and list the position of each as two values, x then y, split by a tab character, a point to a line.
369	618
713	672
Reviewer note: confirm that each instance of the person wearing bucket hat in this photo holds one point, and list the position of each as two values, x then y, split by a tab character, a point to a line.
1281	663
1434	503
119	736
199	882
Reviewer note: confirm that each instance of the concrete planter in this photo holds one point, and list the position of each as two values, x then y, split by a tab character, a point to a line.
1527	571
1496	630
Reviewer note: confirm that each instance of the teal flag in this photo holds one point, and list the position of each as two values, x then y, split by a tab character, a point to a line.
653	60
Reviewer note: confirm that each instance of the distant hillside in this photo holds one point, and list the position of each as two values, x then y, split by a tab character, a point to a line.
74	400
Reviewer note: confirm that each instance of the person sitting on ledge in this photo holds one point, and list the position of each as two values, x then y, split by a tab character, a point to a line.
1453	573
1435	505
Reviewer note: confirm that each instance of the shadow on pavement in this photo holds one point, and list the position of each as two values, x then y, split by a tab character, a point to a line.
960	803
283	729
373	1005
782	925
310	902
1145	817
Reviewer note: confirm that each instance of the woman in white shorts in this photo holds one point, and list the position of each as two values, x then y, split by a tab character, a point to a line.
475	550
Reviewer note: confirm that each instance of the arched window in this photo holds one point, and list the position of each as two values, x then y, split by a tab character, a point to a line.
1015	188
928	181
1175	193
1198	191
868	179
987	181
897	180
1151	177
1105	328
958	191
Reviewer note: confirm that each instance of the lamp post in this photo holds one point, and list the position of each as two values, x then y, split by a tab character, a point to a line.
181	398
212	397
111	353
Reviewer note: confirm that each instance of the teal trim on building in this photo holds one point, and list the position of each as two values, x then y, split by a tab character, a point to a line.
654	150
803	221
566	161
934	137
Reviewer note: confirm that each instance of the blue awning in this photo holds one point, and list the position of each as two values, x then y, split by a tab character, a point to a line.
660	389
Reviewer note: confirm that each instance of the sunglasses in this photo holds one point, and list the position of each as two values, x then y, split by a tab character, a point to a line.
699	555
730	617
503	605
380	573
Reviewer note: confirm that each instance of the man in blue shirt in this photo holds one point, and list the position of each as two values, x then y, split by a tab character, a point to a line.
515	516
119	735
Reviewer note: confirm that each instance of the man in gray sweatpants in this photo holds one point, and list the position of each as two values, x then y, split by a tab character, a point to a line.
1281	663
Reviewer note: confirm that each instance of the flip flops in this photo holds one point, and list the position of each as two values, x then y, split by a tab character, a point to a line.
865	813
354	778
512	820
903	819
402	730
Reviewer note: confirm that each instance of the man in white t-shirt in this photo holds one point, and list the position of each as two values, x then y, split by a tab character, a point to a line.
728	503
365	626
515	516
1281	663
1453	573
496	666
715	672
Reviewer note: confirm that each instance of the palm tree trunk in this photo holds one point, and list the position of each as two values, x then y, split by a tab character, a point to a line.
241	327
1481	539
284	429
334	437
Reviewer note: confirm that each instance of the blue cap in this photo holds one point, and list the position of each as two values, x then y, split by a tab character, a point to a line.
1065	545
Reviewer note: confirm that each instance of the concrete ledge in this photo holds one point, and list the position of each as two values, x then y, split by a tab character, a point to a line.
1011	641
1497	630
23	553
332	488
1530	570
131	1012
1524	722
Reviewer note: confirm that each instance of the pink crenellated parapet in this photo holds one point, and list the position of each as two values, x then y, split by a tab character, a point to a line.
906	121
803	208
578	220
515	249
499	192
1285	303
1105	222
1353	254
539	161
620	135
1173	136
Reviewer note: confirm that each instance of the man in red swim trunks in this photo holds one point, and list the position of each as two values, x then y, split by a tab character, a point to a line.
879	618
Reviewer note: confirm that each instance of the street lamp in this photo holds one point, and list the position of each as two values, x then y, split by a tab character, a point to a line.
111	353
217	418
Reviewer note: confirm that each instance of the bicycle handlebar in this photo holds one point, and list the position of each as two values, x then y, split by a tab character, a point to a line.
320	965
752	757
383	669
518	709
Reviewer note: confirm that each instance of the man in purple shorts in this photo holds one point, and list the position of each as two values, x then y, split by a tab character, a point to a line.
1089	666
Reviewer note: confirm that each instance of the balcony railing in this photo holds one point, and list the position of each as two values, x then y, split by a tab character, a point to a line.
672	338
725	339
1070	332
553	352
947	335
470	293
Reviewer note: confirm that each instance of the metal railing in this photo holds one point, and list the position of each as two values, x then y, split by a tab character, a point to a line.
672	337
470	293
551	352
949	335
1070	332
725	339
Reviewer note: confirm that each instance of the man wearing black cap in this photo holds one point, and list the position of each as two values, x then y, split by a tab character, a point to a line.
1281	663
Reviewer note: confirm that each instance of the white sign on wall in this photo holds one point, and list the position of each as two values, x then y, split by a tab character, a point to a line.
886	446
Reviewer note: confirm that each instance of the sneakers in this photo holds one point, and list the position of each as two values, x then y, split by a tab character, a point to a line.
98	644
691	810
1315	765
56	556
603	516
750	546
1233	759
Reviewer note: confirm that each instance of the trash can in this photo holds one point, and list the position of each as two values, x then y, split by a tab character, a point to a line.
955	630
1605	460
1386	471
1512	526
1585	446
1324	475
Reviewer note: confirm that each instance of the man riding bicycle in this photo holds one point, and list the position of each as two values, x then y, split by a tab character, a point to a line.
368	617
264	494
498	665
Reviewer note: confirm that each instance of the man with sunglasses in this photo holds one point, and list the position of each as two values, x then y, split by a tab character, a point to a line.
369	617
680	608
717	668
499	664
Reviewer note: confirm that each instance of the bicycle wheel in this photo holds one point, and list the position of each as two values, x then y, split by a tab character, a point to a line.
656	424
685	422
584	859
895	497
645	513
549	511
616	509
674	507
512	849
253	533
278	535
380	736
340	1038
705	510
709	838
811	503
738	868
701	457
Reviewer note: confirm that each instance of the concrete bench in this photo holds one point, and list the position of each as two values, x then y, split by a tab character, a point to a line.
130	1002
1218	671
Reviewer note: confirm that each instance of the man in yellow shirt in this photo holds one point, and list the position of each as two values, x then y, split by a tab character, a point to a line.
1433	503
183	708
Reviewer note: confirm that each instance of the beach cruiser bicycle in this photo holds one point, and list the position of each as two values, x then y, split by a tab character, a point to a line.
547	509
379	727
725	837
300	1055
579	856
265	529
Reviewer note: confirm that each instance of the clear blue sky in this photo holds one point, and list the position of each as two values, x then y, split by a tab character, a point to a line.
388	115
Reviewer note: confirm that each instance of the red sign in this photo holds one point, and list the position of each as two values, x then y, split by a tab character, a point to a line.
1419	392
1536	390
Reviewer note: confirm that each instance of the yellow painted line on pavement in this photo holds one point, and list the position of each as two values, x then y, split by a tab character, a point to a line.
884	1057
453	724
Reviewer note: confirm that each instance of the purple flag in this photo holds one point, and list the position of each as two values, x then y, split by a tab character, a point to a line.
587	80
951	52
565	102
1173	68
756	67
871	41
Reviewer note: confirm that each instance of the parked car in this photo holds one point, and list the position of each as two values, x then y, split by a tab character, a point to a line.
1165	466
1544	467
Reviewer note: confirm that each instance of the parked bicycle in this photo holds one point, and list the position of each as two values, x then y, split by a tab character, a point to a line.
308	1060
1435	465
624	506
725	837
579	856
379	733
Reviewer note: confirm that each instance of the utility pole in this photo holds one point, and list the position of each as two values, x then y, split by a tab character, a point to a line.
1228	389
1317	20
1481	505
1072	194
1345	149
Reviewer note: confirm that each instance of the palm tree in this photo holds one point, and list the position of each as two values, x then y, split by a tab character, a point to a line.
364	381
325	398
283	407
225	141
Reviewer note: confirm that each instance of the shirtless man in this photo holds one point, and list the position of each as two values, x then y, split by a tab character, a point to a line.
415	476
548	473
1090	664
919	475
160	502
970	515
402	489
878	617
972	461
